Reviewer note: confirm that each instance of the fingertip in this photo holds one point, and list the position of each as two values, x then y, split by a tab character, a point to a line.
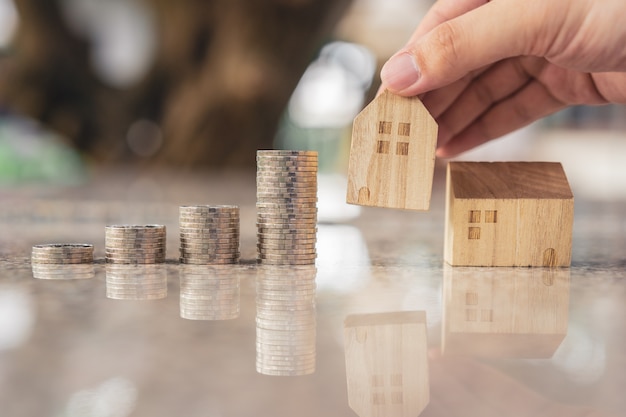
400	73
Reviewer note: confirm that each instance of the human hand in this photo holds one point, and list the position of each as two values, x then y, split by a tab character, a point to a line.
484	69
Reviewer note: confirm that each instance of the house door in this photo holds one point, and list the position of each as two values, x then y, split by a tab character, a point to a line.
549	257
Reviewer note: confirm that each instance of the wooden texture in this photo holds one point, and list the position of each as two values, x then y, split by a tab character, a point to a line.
392	156
386	363
505	312
508	214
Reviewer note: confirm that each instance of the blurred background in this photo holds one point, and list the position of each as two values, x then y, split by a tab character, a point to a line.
202	84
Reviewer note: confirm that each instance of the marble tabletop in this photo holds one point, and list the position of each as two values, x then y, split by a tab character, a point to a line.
179	341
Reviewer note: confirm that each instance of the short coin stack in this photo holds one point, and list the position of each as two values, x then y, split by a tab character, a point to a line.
209	292
209	234
285	320
286	207
144	244
136	282
63	261
62	253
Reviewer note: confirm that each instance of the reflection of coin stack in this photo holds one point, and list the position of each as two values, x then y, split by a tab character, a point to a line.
209	292
286	207
136	282
135	244
63	261
68	271
209	234
285	320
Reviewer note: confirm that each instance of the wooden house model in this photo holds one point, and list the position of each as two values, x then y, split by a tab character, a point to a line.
387	364
508	214
505	312
392	155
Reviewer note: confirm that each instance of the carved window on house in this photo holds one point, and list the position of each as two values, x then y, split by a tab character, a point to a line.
384	128
404	129
402	148
382	146
473	233
491	216
474	216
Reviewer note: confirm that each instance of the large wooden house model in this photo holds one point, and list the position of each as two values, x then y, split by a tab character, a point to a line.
392	156
508	214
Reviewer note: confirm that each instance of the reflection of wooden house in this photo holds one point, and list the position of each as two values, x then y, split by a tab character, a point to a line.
505	312
386	363
392	156
508	214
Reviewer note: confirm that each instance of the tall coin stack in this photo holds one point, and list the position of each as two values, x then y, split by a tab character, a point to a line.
209	234
209	292
285	320
143	244
286	207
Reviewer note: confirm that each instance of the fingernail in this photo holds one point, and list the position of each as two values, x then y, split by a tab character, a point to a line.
400	72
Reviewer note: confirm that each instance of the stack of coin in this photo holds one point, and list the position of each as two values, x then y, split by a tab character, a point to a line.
136	282
135	244
209	292
285	320
62	253
209	234
286	207
66	271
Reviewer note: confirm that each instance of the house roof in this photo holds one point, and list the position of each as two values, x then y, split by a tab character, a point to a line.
509	180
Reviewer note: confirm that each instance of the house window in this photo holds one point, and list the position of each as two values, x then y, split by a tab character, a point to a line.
384	128
491	216
404	129
474	233
474	216
382	146
402	148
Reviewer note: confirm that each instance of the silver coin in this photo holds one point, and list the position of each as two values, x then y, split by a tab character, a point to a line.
270	169
134	252
61	261
279	152
287	177
288	201
287	182
293	157
67	257
129	229
281	160
208	262
204	208
62	249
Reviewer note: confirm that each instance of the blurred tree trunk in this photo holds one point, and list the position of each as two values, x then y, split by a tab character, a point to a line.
223	73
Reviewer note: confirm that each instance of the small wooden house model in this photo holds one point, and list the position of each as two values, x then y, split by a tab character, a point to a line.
392	156
508	214
387	364
505	312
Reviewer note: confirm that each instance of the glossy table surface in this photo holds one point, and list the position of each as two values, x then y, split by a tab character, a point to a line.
498	341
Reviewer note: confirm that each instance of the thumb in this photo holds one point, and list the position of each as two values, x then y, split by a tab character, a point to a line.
451	50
